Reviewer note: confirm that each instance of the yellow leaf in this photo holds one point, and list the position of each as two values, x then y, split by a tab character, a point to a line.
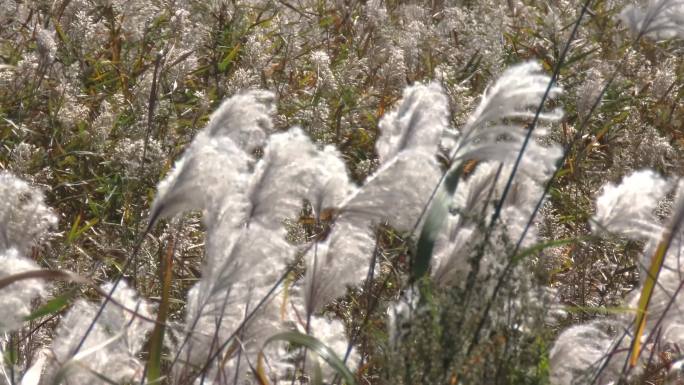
646	293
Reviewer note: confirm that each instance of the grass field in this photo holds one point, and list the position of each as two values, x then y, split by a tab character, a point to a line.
319	192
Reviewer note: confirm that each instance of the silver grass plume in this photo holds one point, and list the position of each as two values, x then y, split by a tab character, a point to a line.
213	165
407	147
244	210
24	217
338	262
470	207
246	249
664	323
16	299
112	347
406	181
580	352
211	176
460	234
417	123
330	331
628	208
214	321
659	19
24	220
495	130
493	135
292	170
244	118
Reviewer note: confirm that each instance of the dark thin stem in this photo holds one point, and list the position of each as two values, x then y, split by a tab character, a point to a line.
372	302
248	318
509	183
108	298
239	353
150	115
11	366
608	357
540	108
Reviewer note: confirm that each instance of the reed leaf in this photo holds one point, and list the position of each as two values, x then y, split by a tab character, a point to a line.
315	345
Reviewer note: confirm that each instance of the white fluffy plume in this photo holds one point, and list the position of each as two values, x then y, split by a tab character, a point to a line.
407	147
15	299
24	216
628	208
213	169
495	130
24	220
111	348
211	176
245	119
416	124
659	19
579	353
244	205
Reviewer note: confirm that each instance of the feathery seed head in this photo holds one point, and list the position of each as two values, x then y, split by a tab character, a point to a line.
628	208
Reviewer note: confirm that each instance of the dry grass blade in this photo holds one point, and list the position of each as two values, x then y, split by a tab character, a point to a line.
650	282
50	275
154	371
260	372
63	275
315	345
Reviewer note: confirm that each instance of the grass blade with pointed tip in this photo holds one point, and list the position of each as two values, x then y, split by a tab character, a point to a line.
645	296
51	275
229	58
650	281
259	372
315	345
317	375
52	306
157	338
545	245
439	208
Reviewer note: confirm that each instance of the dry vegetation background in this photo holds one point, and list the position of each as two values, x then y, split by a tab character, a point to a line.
98	98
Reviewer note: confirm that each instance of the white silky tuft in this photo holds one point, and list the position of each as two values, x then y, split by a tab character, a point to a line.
24	220
417	123
24	216
515	94
216	321
627	208
244	118
15	299
111	348
495	131
215	166
211	176
658	19
341	261
294	169
579	352
246	246
396	193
